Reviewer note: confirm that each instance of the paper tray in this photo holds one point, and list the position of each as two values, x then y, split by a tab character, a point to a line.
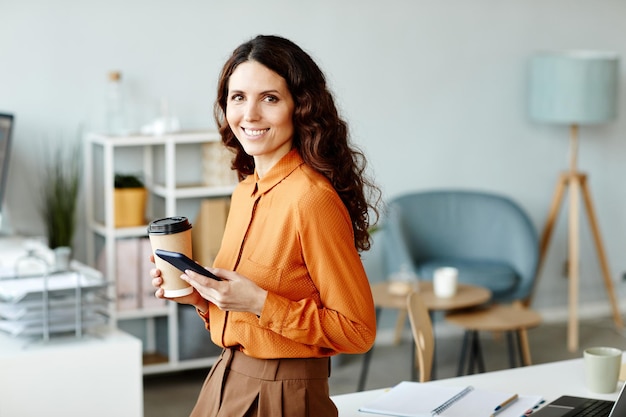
16	289
18	328
56	308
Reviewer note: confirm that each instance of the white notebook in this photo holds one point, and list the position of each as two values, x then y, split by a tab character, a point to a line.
414	399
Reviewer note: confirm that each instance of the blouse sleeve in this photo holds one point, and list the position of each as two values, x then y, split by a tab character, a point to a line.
345	321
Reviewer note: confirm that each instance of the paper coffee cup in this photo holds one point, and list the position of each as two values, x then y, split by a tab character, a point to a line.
602	367
445	282
172	234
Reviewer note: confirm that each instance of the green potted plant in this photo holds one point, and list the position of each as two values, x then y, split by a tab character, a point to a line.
129	200
60	188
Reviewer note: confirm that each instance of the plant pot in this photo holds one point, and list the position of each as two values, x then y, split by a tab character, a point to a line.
62	258
129	206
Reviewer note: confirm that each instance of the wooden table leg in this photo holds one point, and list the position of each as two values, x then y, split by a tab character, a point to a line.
400	323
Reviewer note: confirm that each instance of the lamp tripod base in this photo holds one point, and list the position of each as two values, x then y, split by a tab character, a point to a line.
577	184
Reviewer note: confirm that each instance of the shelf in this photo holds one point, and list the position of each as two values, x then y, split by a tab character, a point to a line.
162	367
142	313
194	191
186	192
154	358
163	329
121	232
180	138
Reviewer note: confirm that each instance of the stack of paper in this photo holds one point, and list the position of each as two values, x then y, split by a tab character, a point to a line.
414	399
57	303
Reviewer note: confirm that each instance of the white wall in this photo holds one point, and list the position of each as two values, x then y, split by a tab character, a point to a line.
434	91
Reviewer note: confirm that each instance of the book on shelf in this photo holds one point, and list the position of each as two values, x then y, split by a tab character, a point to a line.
415	399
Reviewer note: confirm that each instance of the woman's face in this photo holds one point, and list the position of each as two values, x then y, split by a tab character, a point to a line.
259	111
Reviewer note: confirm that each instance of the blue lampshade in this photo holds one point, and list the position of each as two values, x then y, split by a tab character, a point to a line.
574	87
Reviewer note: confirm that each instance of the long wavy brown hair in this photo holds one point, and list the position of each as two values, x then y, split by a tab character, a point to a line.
320	135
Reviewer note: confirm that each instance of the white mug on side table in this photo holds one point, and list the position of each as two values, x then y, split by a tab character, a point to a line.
445	281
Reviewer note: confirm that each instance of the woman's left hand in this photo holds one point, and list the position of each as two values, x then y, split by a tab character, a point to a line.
234	293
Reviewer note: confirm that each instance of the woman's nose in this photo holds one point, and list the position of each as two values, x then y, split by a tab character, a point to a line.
251	112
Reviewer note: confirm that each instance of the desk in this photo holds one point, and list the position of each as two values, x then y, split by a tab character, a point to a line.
466	296
97	375
549	380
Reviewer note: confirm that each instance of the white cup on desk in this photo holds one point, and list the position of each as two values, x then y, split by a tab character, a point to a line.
445	281
602	367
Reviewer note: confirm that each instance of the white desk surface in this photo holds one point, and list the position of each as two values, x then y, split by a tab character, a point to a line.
102	337
549	380
97	375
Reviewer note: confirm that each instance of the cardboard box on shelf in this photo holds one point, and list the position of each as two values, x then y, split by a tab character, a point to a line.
126	272
208	229
216	165
129	206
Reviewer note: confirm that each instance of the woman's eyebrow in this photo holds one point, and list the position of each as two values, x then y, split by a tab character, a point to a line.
272	91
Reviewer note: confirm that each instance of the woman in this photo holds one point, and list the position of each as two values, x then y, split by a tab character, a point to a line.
293	290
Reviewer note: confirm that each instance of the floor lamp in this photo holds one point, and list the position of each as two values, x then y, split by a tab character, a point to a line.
575	88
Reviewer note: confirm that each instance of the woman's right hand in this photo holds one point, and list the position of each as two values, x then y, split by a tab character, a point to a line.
194	299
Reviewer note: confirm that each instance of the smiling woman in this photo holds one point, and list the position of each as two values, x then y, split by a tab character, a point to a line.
293	291
259	112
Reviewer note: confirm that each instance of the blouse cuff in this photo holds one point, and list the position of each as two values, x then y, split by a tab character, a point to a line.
204	315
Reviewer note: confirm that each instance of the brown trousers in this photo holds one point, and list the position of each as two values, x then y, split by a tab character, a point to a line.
241	386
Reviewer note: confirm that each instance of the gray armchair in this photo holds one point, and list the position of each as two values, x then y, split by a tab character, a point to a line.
488	237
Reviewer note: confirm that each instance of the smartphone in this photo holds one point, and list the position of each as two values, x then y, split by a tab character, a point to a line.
183	262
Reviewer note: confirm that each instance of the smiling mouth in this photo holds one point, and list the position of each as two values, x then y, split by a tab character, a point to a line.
254	132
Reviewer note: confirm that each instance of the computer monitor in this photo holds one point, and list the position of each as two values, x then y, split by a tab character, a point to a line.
6	130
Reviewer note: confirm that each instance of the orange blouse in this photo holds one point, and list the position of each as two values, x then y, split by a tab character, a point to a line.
291	234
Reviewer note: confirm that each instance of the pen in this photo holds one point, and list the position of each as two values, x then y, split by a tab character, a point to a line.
504	405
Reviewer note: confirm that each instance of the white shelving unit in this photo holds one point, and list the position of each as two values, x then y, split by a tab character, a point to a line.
100	166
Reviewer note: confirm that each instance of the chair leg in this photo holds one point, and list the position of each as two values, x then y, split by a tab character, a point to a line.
364	369
519	351
400	324
433	368
472	353
366	361
479	353
413	362
464	353
475	354
512	348
522	336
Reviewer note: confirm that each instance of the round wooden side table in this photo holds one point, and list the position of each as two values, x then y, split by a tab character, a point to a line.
385	297
514	320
